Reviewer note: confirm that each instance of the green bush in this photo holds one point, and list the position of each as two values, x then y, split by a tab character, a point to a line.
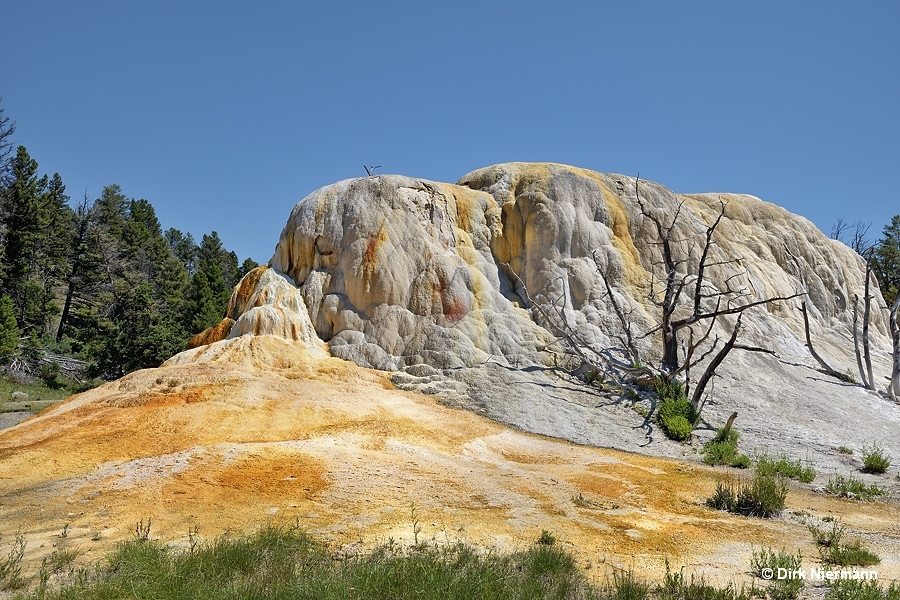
722	450
676	587
783	466
675	414
763	495
849	554
850	487
853	589
874	460
825	538
765	563
833	552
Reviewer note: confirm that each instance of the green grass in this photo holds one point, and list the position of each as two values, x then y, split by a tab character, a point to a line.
767	561
761	495
786	467
676	587
11	563
827	538
874	460
850	487
279	562
40	396
849	589
852	554
722	450
284	563
833	552
675	414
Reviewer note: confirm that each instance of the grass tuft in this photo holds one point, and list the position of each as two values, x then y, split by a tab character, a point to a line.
675	414
854	589
850	487
762	495
786	467
722	450
766	562
874	460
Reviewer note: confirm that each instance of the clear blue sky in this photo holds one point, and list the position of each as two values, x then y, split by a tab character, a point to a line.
225	114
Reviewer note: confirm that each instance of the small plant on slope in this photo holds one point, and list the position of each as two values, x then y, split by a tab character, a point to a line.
761	495
786	467
676	415
722	450
781	568
850	487
874	460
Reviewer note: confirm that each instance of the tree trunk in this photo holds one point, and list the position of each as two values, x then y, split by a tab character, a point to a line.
865	335
859	364
697	397
895	333
727	429
670	349
65	312
825	366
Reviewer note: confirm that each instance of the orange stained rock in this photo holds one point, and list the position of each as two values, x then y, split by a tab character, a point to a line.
221	444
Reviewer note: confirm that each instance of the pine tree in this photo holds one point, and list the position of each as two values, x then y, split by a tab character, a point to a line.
9	330
886	260
26	220
7	130
248	265
184	248
206	300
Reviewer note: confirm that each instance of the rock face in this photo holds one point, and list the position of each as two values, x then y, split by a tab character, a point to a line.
264	303
429	280
399	271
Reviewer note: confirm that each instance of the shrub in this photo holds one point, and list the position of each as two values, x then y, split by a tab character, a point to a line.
762	495
676	587
849	554
49	372
783	466
825	538
845	450
854	589
833	552
676	415
874	460
722	450
11	564
850	487
769	564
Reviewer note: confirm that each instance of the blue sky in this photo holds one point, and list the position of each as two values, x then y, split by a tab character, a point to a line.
225	114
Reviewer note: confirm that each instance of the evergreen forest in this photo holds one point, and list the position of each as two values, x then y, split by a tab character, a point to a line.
94	288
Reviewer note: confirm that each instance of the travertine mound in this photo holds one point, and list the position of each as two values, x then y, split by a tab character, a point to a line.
399	271
264	303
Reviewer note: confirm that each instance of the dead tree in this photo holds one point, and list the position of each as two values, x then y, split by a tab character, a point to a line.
859	362
809	344
706	305
812	351
701	294
867	303
858	238
894	387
